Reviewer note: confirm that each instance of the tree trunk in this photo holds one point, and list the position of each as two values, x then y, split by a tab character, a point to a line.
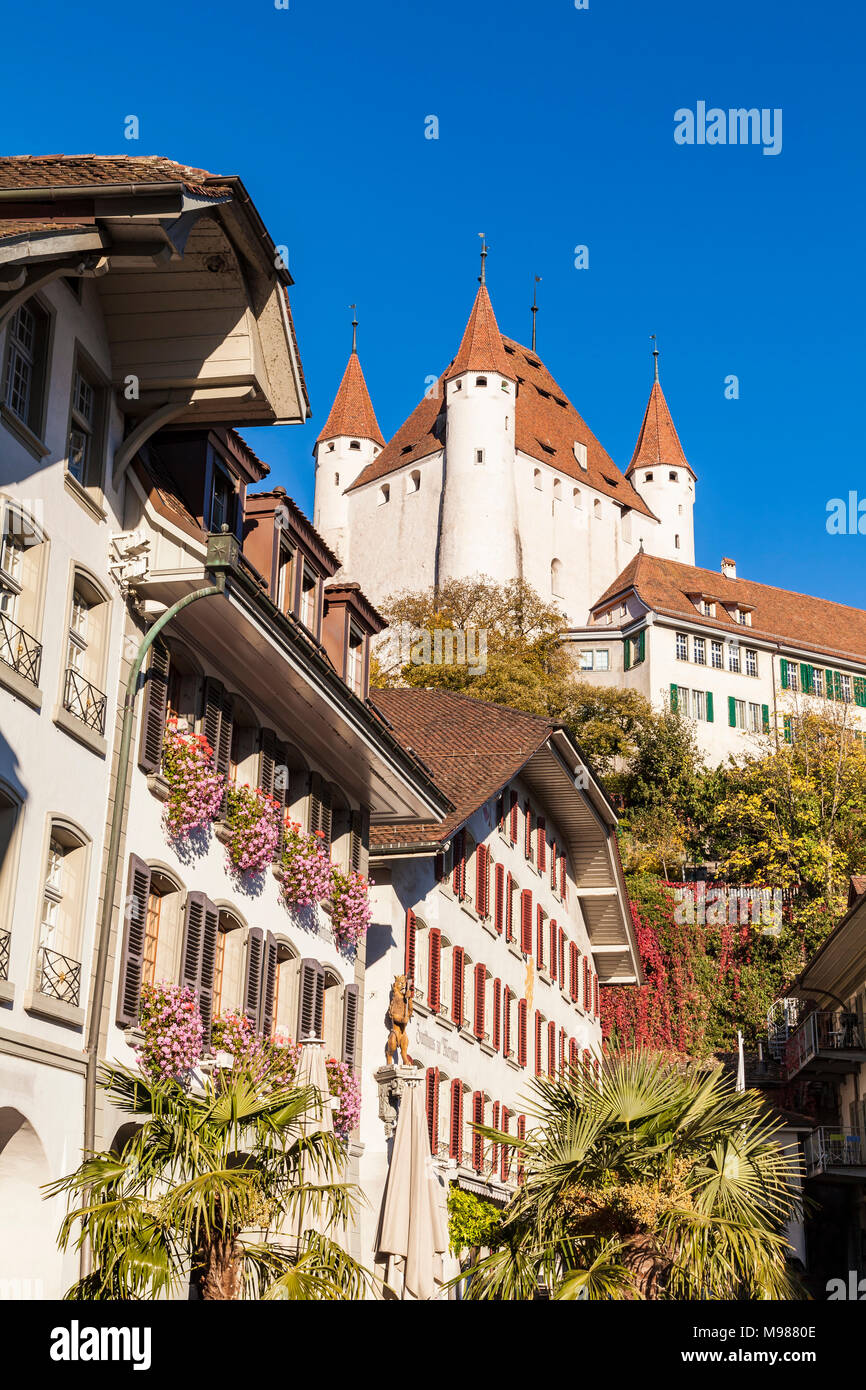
220	1271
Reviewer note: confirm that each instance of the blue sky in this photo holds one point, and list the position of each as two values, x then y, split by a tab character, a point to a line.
555	130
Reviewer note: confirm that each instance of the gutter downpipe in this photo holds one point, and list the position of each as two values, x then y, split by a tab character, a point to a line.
220	563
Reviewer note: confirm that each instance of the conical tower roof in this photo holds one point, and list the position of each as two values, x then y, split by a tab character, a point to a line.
658	441
482	349
352	412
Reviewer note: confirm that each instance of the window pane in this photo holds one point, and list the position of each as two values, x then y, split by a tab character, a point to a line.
602	660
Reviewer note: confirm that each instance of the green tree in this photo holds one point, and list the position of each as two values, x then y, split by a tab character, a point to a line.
209	1184
659	1183
669	792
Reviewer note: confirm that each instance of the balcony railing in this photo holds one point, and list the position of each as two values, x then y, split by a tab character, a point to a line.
5	942
59	976
822	1032
84	701
19	650
829	1148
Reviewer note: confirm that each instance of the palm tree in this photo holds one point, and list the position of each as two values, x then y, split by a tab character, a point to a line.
229	1183
650	1182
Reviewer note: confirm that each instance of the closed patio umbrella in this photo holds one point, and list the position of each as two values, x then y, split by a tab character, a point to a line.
413	1229
311	1072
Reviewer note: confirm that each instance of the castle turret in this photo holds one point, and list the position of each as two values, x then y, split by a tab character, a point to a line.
478	531
349	441
665	480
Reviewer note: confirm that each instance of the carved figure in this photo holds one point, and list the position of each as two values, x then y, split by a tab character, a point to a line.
400	1010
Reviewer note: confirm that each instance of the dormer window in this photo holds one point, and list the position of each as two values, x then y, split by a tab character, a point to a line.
355	660
355	444
285	576
707	607
309	598
222	501
481	381
580	454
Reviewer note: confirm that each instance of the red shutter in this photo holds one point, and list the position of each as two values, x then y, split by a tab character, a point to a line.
541	841
457	969
456	1139
506	1021
458	876
521	1032
500	811
554	948
587	987
480	983
539	936
512	816
434	970
506	1148
553	864
538	1030
587	1063
494	1148
526	921
521	1135
482	885
477	1141
563	882
411	929
499	898
510	890
562	940
551	1049
595	1000
574	981
572	1053
563	1054
497	1014
527	829
433	1107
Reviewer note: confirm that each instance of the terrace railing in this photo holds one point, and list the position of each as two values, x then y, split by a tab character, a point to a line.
59	976
5	943
84	701
19	650
828	1148
822	1031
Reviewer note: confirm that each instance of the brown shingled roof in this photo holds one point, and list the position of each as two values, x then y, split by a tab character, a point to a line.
472	747
11	227
481	348
796	620
35	171
658	441
352	412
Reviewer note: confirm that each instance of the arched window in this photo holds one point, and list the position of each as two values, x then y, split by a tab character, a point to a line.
384	494
23	566
481	381
244	754
229	964
341	828
355	444
577	497
86	653
556	578
673	476
536	478
413	480
596	507
10	821
336	480
183	692
333	1013
163	919
557	490
58	967
286	994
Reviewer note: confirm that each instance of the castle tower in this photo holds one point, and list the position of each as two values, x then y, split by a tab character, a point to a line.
349	441
478	530
665	480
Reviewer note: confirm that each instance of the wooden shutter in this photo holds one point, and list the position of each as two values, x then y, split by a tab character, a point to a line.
506	1148
563	1054
477	1141
526	921
709	706
252	995
765	718
499	897
154	709
541	839
783	667
212	715
572	970
459	870
456	1137
320	808
512	816
193	940
311	998
359	837
267	760
538	1028
641	644
132	959
674	696
282	784
572	1053
506	1021
563	877
494	1148
551	1049
521	1135
587	996
527	830
521	1032
210	935
432	1098
539	936
457	971
562	945
434	970
595	998
860	690
553	864
510	890
270	967
482	881
480	989
411	935
626	654
554	948
497	1014
806	677
787	728
350	1025
732	712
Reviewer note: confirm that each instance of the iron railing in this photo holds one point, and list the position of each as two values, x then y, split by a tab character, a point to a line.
5	944
19	650
84	700
830	1147
59	976
822	1031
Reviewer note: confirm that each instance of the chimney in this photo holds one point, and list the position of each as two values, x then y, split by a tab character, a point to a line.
729	568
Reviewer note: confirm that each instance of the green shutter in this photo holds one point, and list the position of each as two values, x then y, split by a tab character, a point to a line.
641	644
786	724
732	712
709	706
860	690
626	649
806	673
765	718
674	700
784	668
829	685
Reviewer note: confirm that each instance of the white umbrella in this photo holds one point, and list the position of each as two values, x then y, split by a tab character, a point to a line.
741	1063
413	1228
311	1072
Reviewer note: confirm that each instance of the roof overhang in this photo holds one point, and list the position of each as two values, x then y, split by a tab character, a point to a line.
838	968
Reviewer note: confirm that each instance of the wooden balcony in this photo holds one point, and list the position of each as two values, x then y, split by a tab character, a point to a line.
834	1152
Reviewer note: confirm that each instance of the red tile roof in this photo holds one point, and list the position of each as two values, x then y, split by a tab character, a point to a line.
481	348
796	620
35	171
472	747
658	441
352	412
11	227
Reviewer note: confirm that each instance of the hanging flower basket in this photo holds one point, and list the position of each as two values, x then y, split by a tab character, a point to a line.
343	1083
172	1030
350	915
305	869
253	824
195	791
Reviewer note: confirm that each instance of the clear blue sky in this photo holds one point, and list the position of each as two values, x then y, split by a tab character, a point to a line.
555	129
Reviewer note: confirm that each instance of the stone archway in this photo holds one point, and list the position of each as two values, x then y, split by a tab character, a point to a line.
30	1263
